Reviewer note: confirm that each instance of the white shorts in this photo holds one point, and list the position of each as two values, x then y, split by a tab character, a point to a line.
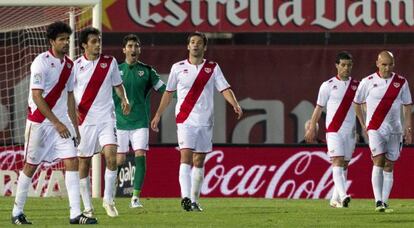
198	139
380	143
138	138
340	145
44	144
95	137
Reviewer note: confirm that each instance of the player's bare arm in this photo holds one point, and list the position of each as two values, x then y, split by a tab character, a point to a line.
231	98
407	124
120	92
47	112
310	134
73	116
165	101
360	115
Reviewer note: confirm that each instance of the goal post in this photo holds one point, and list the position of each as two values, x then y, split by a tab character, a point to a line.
22	29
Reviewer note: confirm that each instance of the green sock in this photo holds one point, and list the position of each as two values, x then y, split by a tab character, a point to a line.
140	168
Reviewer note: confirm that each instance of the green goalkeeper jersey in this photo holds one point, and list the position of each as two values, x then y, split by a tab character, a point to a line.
138	80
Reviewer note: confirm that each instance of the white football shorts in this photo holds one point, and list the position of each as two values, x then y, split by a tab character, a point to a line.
340	145
44	144
199	139
390	144
95	137
138	138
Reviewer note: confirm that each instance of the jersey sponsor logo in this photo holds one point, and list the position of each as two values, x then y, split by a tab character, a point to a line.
396	84
37	78
103	65
141	73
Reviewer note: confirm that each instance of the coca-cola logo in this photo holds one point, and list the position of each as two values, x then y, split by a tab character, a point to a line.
304	174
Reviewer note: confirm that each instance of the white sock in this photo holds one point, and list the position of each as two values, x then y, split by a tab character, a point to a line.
23	185
185	180
110	178
197	177
72	185
338	178
377	182
387	186
85	192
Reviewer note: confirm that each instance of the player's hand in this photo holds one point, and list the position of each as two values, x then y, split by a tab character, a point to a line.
408	137
310	135
62	130
238	110
154	123
126	108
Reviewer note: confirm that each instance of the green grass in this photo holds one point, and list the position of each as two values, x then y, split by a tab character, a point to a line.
221	212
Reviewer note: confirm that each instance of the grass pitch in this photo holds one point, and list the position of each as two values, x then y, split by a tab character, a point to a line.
220	212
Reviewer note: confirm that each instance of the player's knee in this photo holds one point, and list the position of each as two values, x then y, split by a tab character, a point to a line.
29	169
120	159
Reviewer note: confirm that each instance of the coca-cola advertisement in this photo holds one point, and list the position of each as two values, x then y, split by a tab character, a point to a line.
258	16
230	171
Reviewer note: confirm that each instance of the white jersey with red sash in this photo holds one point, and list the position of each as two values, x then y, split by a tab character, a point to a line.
383	98
337	96
55	78
195	91
93	89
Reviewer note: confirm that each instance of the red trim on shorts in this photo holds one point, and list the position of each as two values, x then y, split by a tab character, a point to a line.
28	141
186	149
32	164
109	145
68	158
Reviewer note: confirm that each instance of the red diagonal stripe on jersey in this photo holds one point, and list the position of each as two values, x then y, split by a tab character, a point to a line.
94	84
386	102
343	108
53	96
195	91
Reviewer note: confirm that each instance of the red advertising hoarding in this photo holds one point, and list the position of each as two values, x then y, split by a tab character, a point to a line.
258	16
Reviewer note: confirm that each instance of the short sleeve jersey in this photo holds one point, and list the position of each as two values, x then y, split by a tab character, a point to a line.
102	107
45	72
372	90
138	80
331	94
181	79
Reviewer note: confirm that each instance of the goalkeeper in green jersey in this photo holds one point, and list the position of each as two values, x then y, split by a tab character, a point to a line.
138	79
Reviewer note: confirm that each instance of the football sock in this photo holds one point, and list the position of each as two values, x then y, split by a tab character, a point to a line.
197	178
377	182
185	180
85	188
72	186
140	169
22	190
110	178
338	178
387	186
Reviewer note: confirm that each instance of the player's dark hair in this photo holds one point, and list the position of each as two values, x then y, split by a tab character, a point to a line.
200	34
343	55
56	28
130	37
83	36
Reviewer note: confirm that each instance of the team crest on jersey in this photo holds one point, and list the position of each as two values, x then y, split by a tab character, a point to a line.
354	87
52	65
185	71
396	84
334	87
207	70
141	73
68	65
375	85
103	65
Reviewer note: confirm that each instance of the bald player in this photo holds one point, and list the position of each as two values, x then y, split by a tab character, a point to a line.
384	93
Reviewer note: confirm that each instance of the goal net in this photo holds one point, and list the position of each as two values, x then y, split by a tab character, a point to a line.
22	38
